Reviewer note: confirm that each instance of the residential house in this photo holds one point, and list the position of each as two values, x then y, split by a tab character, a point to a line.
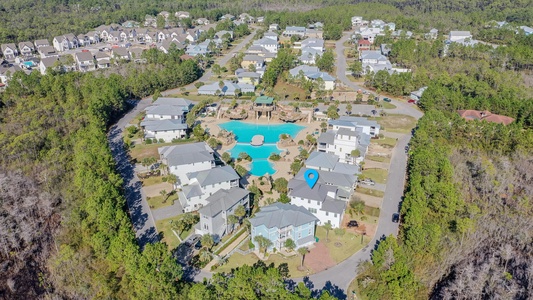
342	143
252	78
202	21
227	17
187	158
6	73
314	33
313	73
165	14
9	51
369	127
321	201
345	183
433	34
136	55
314	43
102	60
246	18
229	88
273	27
270	35
198	49
527	30
457	36
279	222
363	45
85	61
26	49
169	108
224	33
166	45
47	62
41	43
47	51
402	34
357	21
367	33
83	39
166	129
252	60
328	162
374	61
65	42
268	44
222	204
486	115
309	56
203	184
260	19
120	53
385	49
294	31
316	25
130	24
416	95
182	15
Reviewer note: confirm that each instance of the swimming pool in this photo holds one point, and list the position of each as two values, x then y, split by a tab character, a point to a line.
259	154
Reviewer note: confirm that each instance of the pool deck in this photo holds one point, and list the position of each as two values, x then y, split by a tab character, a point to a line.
282	167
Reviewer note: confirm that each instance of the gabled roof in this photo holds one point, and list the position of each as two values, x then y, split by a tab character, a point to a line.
349	121
264	100
178	155
10	46
304	68
192	190
300	188
121	51
255	58
101	55
173	101
215	175
84	56
325	76
330	178
327	137
163	125
222	200
49	62
321	160
42	43
26	44
248	74
280	215
460	33
334	206
486	115
166	110
295	28
372	54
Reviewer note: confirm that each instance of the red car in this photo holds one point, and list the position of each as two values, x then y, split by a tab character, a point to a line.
411	101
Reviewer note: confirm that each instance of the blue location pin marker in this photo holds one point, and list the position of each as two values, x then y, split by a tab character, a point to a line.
311	176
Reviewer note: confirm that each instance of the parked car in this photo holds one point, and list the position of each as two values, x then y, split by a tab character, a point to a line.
352	223
411	101
193	240
395	217
367	182
387	99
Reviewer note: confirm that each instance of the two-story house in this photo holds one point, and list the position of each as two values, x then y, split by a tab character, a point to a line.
9	51
357	20
203	184
166	130
294	31
229	88
103	60
41	43
321	201
279	222
255	60
268	44
65	42
187	158
222	204
26	49
85	61
120	53
313	74
369	127
457	36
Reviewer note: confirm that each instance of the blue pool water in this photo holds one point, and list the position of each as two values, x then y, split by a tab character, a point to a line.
244	133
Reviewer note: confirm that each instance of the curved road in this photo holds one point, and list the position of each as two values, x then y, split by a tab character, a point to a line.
337	279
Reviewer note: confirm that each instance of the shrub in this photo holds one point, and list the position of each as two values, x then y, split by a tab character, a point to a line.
161	141
339	231
148	141
275	157
198	84
251	245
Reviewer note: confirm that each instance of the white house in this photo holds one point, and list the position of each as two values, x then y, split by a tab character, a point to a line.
433	34
321	201
85	61
203	184
9	51
357	20
229	88
294	30
47	62
187	158
273	27
373	57
222	204
455	36
182	15
166	130
271	35
65	42
313	73
341	143
369	127
527	30
416	95
26	48
269	44
345	183
169	108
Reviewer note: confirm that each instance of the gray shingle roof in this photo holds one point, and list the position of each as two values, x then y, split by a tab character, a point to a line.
346	131
215	175
222	200
163	125
191	190
178	155
321	160
353	122
84	56
280	215
334	206
327	137
330	178
300	188
166	110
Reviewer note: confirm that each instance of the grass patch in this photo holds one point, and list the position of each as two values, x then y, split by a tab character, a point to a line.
152	180
138	118
371	211
141	151
383	159
164	226
350	241
237	260
353	290
159	201
231	239
370	192
387	105
386	141
378	175
283	88
397	123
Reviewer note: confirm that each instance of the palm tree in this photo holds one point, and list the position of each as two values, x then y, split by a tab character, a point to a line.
232	220
205	255
303	251
263	242
328	227
207	241
163	193
290	245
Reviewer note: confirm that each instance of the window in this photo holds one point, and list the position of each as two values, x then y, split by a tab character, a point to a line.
310	231
299	235
309	201
335	215
206	227
327	213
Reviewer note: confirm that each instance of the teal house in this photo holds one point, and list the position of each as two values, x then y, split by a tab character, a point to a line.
279	222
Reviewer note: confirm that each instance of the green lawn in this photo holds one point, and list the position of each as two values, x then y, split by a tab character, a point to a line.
141	151
283	88
397	123
169	237
370	192
152	180
387	105
378	175
237	260
157	202
383	159
386	141
350	243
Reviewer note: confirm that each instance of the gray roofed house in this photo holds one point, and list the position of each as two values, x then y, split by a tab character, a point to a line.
223	203
9	51
180	155
370	127
47	51
294	30
228	89
304	68
85	61
166	129
344	182
120	53
321	161
174	101
26	48
279	222
214	176
319	192
41	43
47	62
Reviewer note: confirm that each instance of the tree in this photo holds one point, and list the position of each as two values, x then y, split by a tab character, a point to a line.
349	108
226	157
355	154
283	198
199	133
240	211
280	185
356	68
296	166
163	193
290	245
213	143
160	22
241	170
303	251
216	69
357	206
323	126
204	255
207	241
263	242
232	220
328	227
326	62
